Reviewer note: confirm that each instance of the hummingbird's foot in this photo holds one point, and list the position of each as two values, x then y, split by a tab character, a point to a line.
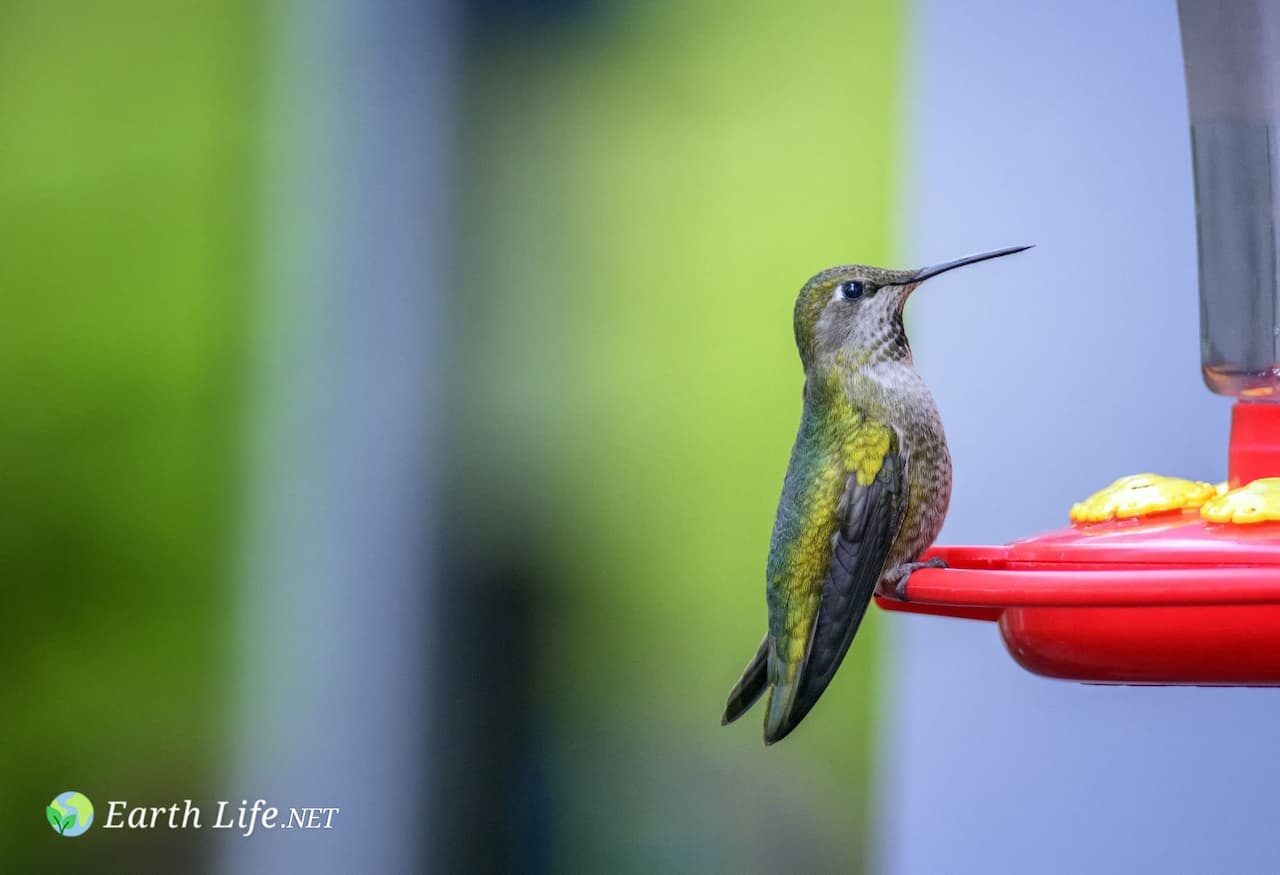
898	577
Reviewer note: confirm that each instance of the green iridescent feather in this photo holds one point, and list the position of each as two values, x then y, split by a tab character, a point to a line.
836	442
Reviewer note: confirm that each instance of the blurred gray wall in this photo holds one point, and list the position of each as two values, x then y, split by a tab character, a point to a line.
1056	371
337	605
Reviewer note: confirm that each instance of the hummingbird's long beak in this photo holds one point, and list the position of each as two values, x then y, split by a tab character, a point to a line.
927	272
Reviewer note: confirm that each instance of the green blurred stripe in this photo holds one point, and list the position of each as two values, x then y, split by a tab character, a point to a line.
126	221
649	189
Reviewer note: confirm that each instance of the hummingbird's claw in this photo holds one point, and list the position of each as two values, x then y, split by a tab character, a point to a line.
902	574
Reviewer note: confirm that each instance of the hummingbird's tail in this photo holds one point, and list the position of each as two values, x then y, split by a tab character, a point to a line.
749	687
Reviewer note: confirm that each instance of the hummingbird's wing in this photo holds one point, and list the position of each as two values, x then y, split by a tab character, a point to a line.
870	516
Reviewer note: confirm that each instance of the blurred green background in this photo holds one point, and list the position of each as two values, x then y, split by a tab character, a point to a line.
644	191
128	160
635	193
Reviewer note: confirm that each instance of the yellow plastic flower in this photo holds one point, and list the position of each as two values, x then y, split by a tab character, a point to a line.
1257	502
1141	495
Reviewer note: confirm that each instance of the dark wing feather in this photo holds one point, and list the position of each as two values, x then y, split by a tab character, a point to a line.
752	684
873	514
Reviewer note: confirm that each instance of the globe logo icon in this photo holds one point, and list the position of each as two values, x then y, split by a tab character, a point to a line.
70	813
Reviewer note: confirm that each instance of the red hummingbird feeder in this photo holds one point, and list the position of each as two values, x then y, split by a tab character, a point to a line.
1161	581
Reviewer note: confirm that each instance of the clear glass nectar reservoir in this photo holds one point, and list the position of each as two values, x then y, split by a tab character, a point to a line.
1232	56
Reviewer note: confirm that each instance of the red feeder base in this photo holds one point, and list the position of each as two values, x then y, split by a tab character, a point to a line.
1112	622
1164	600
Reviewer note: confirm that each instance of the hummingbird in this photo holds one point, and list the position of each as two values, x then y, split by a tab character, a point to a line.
865	492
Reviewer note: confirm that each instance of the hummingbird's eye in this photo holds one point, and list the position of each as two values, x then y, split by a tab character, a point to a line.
851	290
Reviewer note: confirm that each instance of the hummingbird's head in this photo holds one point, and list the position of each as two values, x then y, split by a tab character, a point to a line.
857	309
